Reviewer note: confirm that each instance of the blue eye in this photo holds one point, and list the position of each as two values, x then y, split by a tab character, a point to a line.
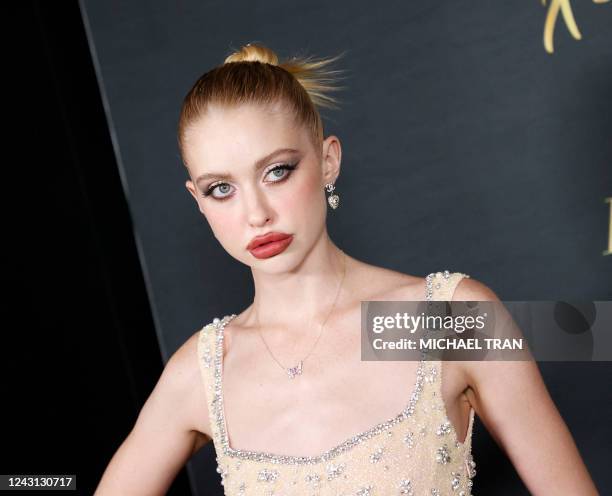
283	167
225	187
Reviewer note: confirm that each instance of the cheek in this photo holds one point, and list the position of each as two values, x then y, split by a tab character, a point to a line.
307	192
223	223
308	201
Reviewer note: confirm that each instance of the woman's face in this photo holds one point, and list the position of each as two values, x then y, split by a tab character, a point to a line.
254	171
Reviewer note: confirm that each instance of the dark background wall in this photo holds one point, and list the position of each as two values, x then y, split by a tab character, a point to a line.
78	350
483	153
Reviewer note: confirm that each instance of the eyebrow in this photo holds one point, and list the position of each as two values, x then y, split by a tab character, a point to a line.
258	165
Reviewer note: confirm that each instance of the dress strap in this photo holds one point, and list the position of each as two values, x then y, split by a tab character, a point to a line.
440	286
207	350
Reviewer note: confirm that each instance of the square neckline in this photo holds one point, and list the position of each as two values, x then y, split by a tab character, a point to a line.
351	441
326	455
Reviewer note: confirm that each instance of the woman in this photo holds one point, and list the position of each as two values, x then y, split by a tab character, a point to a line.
280	387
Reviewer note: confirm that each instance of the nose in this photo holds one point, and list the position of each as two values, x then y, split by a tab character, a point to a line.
258	210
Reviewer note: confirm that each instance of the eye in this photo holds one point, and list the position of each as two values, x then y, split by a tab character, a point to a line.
279	173
283	169
223	188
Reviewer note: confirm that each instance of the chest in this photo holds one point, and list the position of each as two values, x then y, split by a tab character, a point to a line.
267	411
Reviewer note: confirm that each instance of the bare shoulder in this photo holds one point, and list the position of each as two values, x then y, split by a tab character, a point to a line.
189	369
371	282
166	432
183	384
482	375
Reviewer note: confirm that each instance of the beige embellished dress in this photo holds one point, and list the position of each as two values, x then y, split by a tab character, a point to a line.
417	452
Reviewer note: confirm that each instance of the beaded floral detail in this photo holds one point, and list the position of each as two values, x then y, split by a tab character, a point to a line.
455	480
376	456
334	471
267	475
386	459
444	428
442	455
409	439
405	487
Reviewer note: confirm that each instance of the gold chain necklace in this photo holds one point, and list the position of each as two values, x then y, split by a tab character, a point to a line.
297	369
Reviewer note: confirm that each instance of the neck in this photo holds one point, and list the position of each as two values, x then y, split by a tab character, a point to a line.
303	293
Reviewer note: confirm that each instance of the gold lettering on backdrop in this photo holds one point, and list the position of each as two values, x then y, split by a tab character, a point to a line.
609	250
551	19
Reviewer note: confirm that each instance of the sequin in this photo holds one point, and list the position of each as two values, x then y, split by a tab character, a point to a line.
404	454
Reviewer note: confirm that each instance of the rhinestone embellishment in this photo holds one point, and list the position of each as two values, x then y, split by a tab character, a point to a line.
261	456
334	471
442	455
207	357
409	439
455	480
333	199
376	456
471	466
223	473
313	480
266	475
444	428
426	426
405	487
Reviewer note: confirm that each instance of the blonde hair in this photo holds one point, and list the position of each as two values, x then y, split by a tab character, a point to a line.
253	74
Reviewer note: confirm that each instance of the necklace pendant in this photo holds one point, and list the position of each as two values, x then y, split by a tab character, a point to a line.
293	371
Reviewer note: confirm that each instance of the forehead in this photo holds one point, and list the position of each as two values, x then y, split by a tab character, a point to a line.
232	136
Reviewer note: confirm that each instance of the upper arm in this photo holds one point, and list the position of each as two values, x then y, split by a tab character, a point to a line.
164	436
512	401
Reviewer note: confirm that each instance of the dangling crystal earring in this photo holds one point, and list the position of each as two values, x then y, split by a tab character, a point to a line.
333	200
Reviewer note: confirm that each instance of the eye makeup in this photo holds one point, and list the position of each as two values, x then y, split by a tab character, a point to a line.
289	167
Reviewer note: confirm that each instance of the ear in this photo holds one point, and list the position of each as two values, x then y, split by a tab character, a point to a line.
194	192
331	157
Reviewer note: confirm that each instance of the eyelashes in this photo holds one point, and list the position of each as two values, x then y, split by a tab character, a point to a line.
289	168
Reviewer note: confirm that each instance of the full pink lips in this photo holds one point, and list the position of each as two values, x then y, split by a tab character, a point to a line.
277	244
266	238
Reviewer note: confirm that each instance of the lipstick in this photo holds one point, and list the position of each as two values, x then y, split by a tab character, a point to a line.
269	244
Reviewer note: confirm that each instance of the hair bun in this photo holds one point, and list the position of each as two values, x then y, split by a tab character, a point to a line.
253	53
